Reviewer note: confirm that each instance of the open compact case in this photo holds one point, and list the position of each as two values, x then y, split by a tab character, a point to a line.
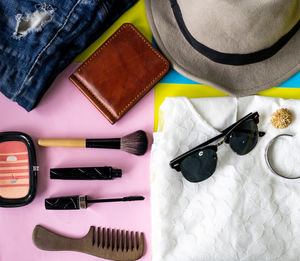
18	169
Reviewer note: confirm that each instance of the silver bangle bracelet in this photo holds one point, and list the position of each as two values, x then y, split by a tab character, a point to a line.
267	157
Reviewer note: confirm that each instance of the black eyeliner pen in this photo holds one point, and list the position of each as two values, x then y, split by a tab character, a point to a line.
101	173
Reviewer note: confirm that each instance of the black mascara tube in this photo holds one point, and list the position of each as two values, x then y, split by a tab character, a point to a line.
102	173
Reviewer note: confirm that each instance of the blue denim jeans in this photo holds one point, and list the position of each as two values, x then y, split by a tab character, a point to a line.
39	38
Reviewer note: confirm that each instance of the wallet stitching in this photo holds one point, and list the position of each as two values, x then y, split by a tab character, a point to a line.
145	89
142	92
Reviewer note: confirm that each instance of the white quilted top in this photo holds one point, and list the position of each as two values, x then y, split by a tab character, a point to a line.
243	212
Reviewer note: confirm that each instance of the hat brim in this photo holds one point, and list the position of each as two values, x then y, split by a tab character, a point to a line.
239	80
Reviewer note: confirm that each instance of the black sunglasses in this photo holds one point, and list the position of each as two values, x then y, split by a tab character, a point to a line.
200	162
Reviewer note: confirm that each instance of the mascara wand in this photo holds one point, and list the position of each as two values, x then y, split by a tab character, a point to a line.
81	202
135	143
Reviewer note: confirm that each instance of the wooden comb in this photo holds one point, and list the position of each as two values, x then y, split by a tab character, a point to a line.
114	245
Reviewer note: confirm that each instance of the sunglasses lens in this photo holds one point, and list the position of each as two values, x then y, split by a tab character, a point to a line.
244	137
199	165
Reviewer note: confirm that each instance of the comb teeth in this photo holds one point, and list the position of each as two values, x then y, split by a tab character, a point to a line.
118	240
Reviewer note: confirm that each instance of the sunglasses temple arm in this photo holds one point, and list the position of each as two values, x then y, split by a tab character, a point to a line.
228	129
174	161
260	133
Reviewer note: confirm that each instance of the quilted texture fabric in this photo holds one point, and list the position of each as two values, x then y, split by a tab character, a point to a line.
243	212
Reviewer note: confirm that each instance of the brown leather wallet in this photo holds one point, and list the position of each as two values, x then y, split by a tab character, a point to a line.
120	72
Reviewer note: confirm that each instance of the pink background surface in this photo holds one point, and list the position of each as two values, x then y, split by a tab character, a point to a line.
65	112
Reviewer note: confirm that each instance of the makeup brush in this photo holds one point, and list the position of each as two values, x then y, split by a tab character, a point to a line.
135	143
81	202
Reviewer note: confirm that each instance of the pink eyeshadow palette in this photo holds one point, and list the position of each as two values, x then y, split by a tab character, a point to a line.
18	169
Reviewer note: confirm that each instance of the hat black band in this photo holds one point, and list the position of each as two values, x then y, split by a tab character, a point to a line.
230	58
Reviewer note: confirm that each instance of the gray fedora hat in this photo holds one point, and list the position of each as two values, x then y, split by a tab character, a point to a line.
239	47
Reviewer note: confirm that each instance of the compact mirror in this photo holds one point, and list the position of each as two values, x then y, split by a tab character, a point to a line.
18	170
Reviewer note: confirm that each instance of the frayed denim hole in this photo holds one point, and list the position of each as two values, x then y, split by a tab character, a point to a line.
24	86
31	22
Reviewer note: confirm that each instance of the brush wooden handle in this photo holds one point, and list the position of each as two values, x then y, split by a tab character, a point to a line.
48	240
70	143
